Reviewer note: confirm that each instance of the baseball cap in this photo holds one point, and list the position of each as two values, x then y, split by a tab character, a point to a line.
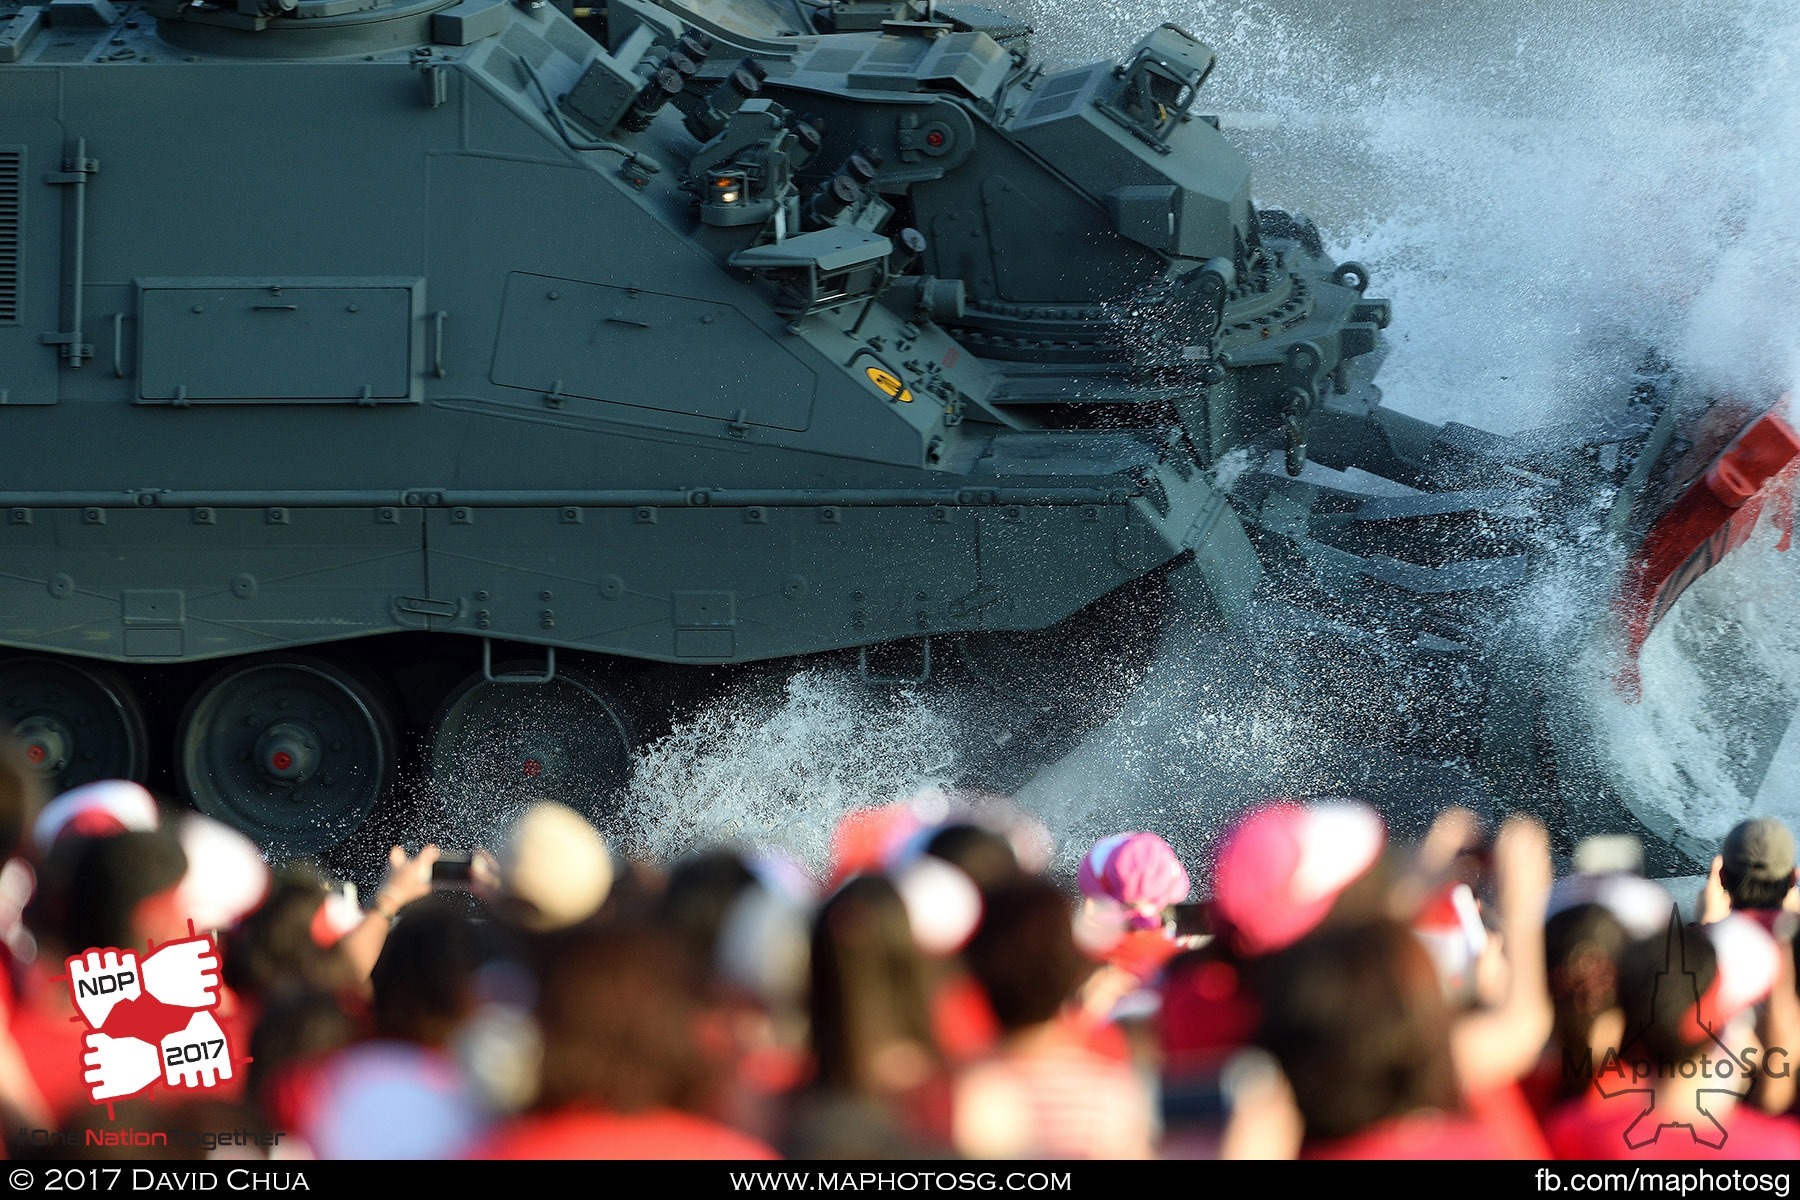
1639	905
97	809
943	905
1279	871
1761	847
226	875
555	862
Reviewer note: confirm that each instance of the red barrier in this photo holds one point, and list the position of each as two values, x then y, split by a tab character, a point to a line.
1711	519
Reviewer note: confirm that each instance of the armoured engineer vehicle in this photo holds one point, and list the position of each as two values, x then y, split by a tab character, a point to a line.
487	378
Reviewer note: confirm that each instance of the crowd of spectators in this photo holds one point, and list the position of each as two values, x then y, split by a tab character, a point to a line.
940	993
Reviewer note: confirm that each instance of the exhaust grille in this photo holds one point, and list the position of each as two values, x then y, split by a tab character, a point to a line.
12	173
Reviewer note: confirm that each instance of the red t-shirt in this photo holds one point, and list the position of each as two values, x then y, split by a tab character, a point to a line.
591	1134
1143	952
962	1020
1506	1112
1624	1126
1206	1013
1421	1135
51	1040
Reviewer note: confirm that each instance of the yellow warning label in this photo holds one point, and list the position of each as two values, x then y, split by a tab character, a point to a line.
890	384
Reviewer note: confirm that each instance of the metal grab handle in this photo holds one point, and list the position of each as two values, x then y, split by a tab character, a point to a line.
487	666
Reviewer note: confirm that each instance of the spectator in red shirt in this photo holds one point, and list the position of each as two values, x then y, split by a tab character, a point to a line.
1359	1024
1670	1086
880	1087
625	1073
1045	1092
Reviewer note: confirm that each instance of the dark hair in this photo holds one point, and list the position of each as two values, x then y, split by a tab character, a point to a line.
984	855
1753	889
699	893
619	1007
297	1025
871	986
91	886
1662	981
422	983
273	947
1024	954
1357	1018
1583	947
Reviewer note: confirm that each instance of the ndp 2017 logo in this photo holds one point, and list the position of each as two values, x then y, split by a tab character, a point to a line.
150	1021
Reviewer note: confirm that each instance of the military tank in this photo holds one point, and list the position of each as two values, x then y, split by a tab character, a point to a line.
470	385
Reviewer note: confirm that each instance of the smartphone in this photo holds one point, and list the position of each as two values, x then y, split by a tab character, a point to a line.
1454	935
451	870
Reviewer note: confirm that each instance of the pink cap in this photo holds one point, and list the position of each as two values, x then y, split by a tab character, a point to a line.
1093	865
1143	870
1136	870
1282	868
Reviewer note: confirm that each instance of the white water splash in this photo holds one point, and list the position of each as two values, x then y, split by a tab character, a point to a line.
1544	191
781	772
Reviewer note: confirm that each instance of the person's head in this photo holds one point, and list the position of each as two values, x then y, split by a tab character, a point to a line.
555	868
1663	980
1138	873
983	854
1356	1017
424	981
1682	987
1584	946
870	996
298	1026
290	940
619	1009
115	890
1024	954
96	809
1757	864
1288	867
700	891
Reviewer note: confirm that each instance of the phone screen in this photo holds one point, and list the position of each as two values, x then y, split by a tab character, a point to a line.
451	869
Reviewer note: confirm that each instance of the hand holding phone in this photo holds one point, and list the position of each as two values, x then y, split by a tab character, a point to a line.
452	870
